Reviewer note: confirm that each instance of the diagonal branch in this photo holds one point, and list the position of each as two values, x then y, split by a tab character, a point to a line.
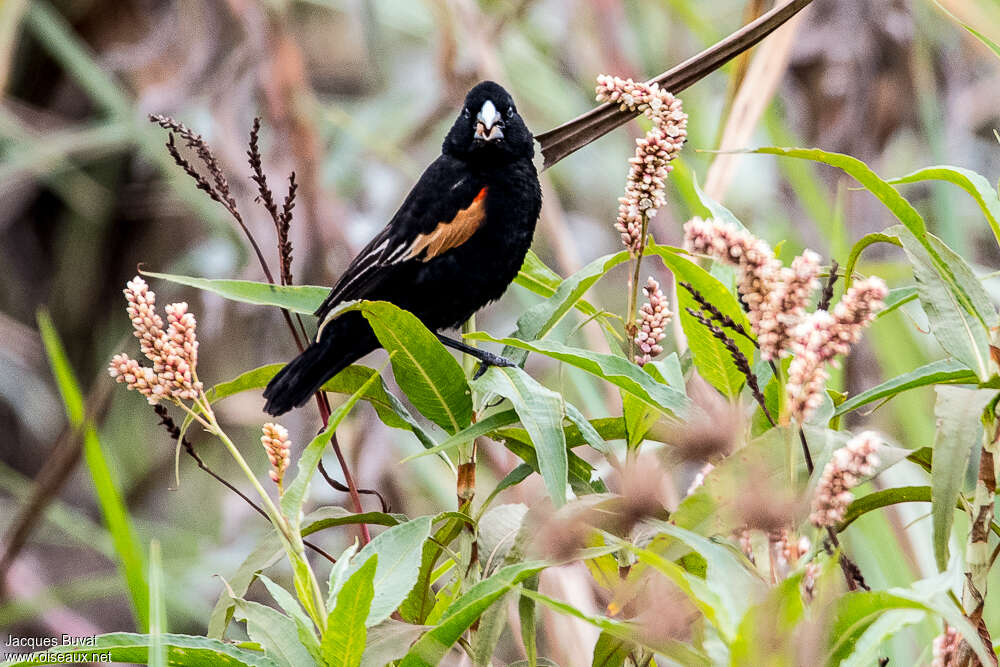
582	130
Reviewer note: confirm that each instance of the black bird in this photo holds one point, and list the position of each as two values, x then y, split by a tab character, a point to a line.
454	245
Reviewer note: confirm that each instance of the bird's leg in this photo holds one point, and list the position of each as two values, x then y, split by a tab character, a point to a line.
486	358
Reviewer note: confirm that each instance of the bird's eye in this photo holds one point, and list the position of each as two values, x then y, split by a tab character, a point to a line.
510	112
466	113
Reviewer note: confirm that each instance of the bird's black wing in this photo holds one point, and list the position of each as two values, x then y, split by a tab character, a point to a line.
443	210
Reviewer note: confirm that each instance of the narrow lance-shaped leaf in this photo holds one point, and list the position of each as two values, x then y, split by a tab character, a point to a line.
541	411
616	370
540	279
977	187
960	328
275	632
304	626
713	360
399	550
430	649
346	632
303	299
537	321
943	371
295	494
428	375
959	432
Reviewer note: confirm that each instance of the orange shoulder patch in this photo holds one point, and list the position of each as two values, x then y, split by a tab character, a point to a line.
453	233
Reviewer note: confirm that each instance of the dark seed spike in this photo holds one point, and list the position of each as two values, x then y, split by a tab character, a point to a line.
831	280
742	364
715	314
264	194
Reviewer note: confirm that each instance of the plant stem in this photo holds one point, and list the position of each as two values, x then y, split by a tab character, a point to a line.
632	306
977	550
352	488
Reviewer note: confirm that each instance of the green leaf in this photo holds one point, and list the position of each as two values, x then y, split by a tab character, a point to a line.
303	299
389	641
779	615
390	409
329	517
711	357
989	43
130	558
399	550
540	279
431	648
541	411
883	498
295	495
864	242
870	646
616	370
275	632
540	319
854	614
264	555
428	375
338	573
487	636
610	651
959	433
897	297
580	472
585	428
346	631
854	167
960	319
130	648
977	186
639	418
470	433
291	607
420	601
943	371
529	621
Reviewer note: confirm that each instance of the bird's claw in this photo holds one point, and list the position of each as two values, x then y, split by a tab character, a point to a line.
490	359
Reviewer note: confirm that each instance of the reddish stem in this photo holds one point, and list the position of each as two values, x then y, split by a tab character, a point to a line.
324	412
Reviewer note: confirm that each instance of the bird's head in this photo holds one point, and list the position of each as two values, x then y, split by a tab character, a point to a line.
489	126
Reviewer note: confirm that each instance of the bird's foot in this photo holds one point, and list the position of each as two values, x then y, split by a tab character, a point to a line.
489	359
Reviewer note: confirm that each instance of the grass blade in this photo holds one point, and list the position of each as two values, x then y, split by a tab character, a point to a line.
130	557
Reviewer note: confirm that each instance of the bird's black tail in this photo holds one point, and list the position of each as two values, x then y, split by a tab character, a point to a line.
343	342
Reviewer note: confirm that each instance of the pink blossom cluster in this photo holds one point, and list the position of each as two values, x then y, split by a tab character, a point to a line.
821	336
650	165
278	448
776	296
784	306
852	462
653	318
173	352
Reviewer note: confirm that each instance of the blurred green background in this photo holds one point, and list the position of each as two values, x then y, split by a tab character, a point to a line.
355	97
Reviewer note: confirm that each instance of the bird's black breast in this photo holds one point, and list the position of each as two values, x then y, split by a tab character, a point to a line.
447	289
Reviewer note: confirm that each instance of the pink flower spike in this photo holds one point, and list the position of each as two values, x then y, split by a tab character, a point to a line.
278	448
649	167
849	465
652	321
